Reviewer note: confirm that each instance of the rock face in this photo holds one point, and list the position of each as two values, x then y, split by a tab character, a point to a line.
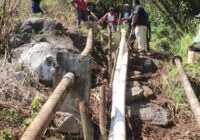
137	92
36	43
152	114
66	122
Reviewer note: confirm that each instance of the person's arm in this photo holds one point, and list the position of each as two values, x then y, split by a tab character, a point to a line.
86	2
103	18
135	19
73	2
135	15
128	18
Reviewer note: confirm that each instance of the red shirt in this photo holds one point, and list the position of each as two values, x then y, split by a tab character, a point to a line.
81	4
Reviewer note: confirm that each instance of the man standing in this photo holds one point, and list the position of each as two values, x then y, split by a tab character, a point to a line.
195	47
126	19
81	8
35	6
140	22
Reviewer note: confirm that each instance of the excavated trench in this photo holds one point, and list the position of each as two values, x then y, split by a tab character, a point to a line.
149	113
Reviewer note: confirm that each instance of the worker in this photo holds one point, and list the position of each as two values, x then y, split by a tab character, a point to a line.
35	6
140	23
110	18
126	18
81	8
195	46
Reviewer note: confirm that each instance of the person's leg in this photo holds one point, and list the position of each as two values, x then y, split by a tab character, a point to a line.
191	56
85	19
79	16
113	26
34	7
195	47
140	33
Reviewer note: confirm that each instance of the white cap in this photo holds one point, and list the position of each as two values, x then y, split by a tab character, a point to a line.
126	4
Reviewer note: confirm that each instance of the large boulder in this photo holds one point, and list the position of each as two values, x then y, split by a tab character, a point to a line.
37	42
155	114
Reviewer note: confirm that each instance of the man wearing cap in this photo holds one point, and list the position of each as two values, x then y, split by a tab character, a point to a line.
81	8
140	22
126	20
195	47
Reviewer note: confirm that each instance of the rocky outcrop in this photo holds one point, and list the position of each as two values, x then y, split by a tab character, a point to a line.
36	43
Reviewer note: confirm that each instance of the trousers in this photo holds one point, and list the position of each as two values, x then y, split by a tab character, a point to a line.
141	37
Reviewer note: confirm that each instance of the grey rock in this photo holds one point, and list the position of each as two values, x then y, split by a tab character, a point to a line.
155	115
149	65
136	73
37	42
66	122
133	94
134	84
147	91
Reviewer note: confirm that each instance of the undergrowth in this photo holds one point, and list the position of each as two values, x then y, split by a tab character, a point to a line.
168	41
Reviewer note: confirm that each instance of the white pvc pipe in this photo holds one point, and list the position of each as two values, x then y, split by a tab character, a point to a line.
118	128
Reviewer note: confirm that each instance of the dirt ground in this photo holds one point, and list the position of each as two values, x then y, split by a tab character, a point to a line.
16	100
182	125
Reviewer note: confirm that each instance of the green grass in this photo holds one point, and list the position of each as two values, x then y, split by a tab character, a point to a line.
11	115
6	134
171	85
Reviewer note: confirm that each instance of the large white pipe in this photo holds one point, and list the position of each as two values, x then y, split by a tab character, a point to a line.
118	128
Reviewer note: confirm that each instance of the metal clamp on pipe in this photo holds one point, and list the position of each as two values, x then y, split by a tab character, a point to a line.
192	99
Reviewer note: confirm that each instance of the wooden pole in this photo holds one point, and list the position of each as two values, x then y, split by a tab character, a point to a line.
42	120
86	123
89	43
192	99
102	114
109	51
85	120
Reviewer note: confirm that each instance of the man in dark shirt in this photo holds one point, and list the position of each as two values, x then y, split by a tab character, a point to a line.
140	22
35	6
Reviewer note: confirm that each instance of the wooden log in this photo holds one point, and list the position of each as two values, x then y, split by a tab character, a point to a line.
88	130
189	92
89	43
42	120
102	114
109	52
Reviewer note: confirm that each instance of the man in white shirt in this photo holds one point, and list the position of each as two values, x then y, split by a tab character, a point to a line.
195	47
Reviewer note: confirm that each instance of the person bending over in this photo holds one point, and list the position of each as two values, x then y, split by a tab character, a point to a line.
110	18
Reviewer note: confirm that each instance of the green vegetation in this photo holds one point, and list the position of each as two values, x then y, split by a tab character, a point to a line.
173	30
11	115
6	134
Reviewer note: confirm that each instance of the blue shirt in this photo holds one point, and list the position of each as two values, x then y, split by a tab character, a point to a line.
126	15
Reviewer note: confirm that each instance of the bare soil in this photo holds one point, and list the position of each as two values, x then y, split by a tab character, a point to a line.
182	124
